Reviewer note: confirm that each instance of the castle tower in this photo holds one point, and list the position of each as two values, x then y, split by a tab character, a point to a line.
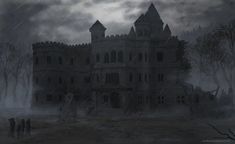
142	26
132	33
167	31
156	23
97	31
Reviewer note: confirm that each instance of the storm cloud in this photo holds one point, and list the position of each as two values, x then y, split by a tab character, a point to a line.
27	21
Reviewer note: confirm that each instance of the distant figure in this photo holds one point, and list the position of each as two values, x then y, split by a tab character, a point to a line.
12	127
23	126
18	129
28	127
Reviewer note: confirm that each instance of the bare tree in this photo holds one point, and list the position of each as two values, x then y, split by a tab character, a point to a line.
228	135
214	54
7	52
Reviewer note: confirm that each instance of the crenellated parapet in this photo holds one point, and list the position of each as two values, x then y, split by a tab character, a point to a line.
83	45
48	44
116	37
58	45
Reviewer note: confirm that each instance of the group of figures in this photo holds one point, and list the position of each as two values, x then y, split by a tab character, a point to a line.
19	128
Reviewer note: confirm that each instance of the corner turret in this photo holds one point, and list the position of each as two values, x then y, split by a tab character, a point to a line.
97	31
132	33
167	31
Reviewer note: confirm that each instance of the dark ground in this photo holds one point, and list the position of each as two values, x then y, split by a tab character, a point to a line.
135	130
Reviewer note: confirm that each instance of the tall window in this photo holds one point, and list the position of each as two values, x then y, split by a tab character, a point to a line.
112	78
49	97
49	80
145	77
120	56
48	59
140	77
60	80
97	58
71	61
140	57
130	77
36	61
113	56
60	60
72	80
106	58
160	77
87	60
130	56
160	56
180	99
146	57
161	100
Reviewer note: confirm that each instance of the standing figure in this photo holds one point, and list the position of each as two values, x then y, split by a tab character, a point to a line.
12	127
23	126
18	129
28	127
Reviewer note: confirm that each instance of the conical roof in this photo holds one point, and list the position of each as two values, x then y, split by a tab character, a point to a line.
132	32
167	30
152	14
97	25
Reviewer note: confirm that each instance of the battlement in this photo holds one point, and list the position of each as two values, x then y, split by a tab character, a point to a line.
116	37
83	45
58	45
49	44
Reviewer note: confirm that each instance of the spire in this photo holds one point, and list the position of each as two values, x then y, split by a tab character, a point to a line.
132	32
167	30
97	25
152	14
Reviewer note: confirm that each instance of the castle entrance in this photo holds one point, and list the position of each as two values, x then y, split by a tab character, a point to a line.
115	100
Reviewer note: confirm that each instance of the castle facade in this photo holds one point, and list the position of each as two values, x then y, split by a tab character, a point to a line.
121	71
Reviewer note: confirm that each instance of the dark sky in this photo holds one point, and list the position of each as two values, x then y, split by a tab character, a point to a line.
27	21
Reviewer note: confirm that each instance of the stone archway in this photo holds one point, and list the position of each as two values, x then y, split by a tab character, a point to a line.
115	100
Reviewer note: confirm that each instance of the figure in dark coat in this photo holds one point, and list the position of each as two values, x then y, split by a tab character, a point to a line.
12	127
28	126
18	129
23	126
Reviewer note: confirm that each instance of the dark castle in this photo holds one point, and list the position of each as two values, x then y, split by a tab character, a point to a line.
139	68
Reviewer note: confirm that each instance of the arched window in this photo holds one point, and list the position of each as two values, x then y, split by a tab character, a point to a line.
72	80
130	56
160	56
113	56
106	58
120	56
60	80
48	59
60	60
71	61
36	61
140	57
97	58
146	57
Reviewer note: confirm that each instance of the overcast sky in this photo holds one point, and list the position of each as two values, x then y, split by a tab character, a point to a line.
69	20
